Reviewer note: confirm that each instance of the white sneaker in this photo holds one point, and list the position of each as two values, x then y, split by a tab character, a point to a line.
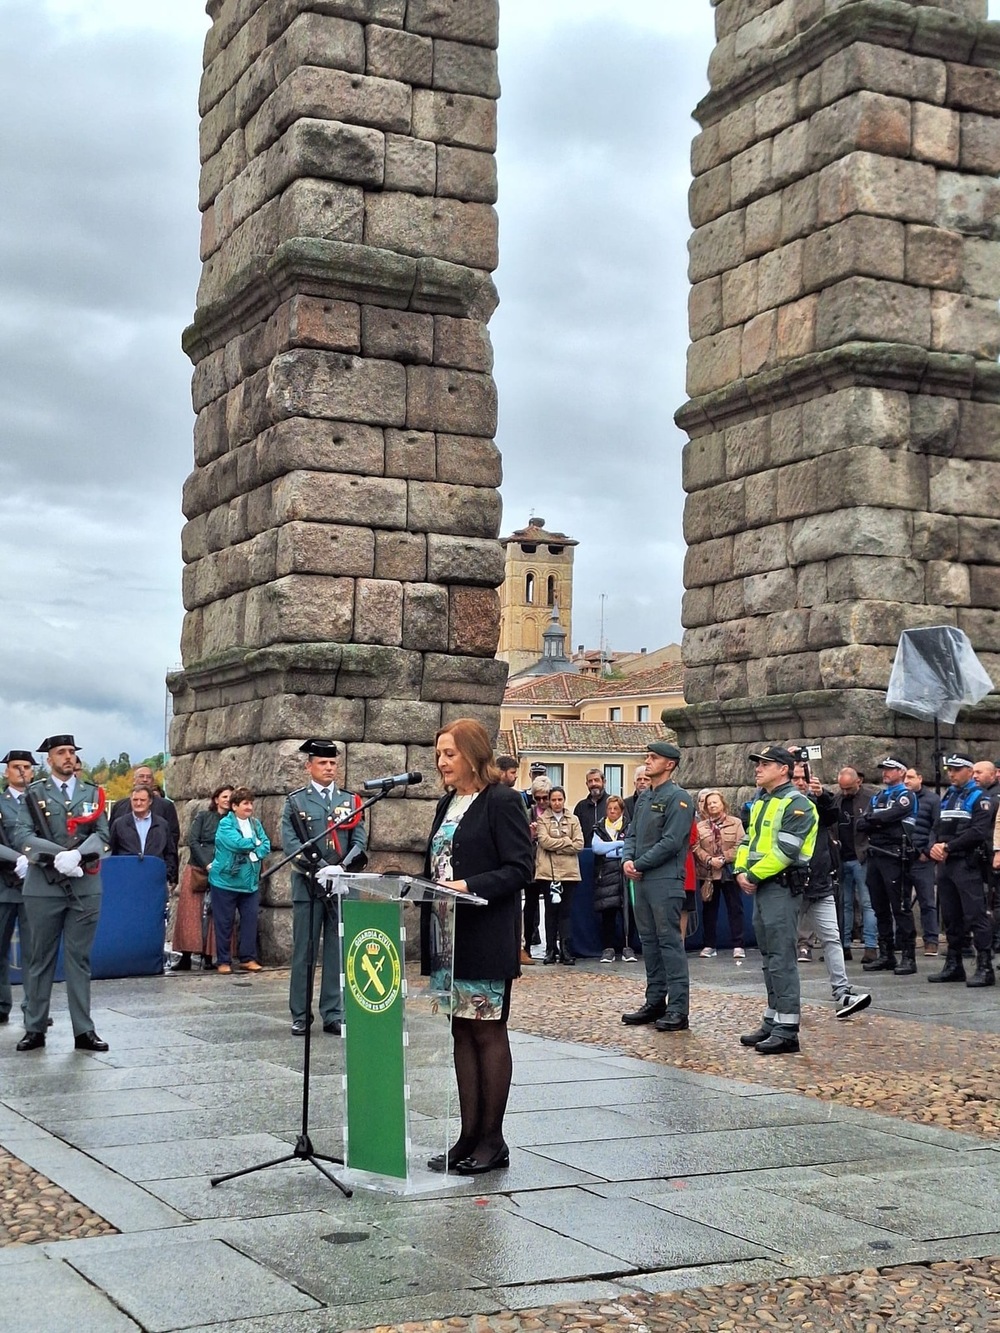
708	953
852	1003
608	956
739	953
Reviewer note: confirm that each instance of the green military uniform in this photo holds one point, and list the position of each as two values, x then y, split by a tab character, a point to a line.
780	838
61	906
12	912
657	841
314	812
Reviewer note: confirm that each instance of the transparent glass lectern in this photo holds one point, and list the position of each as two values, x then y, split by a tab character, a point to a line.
399	1086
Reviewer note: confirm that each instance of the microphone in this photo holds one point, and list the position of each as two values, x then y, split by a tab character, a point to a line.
397	780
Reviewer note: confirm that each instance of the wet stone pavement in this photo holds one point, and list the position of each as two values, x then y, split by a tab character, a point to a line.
657	1181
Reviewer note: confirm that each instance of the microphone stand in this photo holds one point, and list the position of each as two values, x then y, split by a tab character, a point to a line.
304	1150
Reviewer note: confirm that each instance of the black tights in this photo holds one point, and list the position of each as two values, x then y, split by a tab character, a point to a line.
483	1069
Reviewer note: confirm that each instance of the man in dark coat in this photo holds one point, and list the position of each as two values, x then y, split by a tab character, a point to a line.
141	833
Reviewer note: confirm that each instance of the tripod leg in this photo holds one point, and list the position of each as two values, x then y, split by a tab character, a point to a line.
344	1189
247	1170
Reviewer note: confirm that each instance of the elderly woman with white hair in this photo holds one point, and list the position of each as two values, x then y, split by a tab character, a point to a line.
534	892
719	834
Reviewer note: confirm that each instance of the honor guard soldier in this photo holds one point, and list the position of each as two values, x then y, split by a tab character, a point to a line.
654	857
13	868
63	830
889	823
961	845
308	811
772	863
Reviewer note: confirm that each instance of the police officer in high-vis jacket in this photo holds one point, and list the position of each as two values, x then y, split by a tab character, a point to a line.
63	831
961	838
889	824
772	863
308	811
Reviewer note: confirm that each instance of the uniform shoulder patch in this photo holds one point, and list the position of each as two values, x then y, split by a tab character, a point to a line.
683	804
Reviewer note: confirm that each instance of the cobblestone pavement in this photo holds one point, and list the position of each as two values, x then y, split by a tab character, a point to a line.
938	1075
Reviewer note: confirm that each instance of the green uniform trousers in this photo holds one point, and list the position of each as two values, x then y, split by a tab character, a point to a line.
73	917
13	914
776	925
325	926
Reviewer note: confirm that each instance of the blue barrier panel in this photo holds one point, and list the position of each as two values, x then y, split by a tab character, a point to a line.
131	930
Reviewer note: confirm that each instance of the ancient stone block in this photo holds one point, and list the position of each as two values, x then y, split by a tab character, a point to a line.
867	121
961	486
747	446
934	257
979	431
474	21
466	174
878	578
299	608
936	536
378	612
425	617
934	423
305	715
728	601
705	308
767	592
462	344
470	560
762	229
716	246
860	245
454	401
319	39
705	150
856	666
710	195
411	453
948	583
968	324
869	183
330	94
750	174
400	721
395	828
325	548
983	585
410	164
327	496
696	608
738	294
464	511
714	512
714	362
775	109
761	549
326	384
981	268
757	348
936	134
397	335
313	445
455	118
399	55
458	679
369	759
469	459
968	204
980	143
795	332
780	276
884	70
462	67
799	209
790	155
401	555
326	148
865	530
709	562
864	308
973	89
463	233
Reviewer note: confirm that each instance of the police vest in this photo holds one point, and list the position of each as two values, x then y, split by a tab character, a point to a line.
957	806
765	825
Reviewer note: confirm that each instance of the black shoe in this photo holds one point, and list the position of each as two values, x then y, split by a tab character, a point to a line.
206	964
775	1045
885	962
299	1027
536	939
48	1022
333	1026
476	1166
752	1038
567	960
183	964
848	955
649	1013
550	957
952	970
672	1023
984	974
90	1041
907	965
31	1041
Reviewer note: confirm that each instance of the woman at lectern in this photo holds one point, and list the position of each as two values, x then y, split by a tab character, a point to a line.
479	844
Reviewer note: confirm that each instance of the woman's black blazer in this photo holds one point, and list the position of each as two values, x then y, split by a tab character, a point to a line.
492	852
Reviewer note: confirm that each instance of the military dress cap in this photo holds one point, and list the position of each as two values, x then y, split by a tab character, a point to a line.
319	749
959	761
774	754
890	761
53	743
665	748
12	755
538	768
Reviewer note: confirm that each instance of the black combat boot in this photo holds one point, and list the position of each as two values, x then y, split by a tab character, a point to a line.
984	974
953	969
886	960
907	964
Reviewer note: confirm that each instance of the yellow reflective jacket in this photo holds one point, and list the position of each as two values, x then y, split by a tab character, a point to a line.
781	833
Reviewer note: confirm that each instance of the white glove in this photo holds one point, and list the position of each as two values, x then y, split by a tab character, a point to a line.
327	877
21	867
68	863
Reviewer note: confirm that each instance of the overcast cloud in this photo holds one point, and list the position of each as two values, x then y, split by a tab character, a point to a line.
98	270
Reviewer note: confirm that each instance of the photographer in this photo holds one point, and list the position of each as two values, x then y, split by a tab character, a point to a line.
772	864
817	906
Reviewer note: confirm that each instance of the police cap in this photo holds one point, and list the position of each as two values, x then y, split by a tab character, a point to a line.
890	761
25	755
959	761
774	754
54	742
319	749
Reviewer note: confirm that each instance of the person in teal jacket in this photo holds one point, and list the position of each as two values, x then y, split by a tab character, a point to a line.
240	848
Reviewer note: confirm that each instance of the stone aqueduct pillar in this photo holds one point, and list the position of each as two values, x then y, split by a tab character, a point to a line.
843	469
341	561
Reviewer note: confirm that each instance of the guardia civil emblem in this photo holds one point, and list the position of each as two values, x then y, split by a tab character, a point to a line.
373	970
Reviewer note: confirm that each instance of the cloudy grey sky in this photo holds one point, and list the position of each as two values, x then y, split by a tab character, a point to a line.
98	270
